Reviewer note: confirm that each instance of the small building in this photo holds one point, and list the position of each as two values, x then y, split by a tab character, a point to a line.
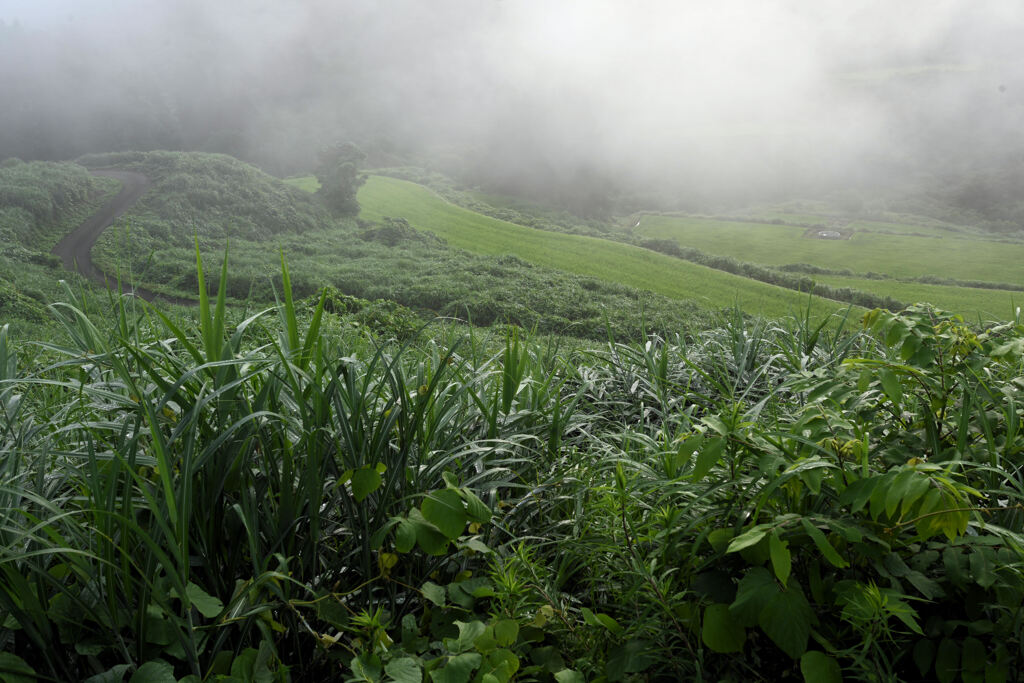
829	235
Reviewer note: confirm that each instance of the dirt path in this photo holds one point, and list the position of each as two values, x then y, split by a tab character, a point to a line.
75	250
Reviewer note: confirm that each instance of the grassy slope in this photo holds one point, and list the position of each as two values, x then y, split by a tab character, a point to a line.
896	255
40	202
220	197
622	263
970	302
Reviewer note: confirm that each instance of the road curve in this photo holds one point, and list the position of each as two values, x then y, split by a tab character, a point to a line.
75	250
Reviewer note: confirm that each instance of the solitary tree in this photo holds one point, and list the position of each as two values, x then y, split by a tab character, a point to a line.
339	177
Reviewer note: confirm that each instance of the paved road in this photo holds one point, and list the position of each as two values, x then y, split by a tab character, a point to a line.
75	250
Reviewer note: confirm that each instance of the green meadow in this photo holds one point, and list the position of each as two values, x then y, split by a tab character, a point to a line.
329	488
384	197
969	302
895	255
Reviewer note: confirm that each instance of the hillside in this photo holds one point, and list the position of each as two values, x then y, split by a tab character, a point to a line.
878	257
381	197
40	202
224	201
214	194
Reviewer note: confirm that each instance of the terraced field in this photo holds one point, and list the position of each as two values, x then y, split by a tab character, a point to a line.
633	266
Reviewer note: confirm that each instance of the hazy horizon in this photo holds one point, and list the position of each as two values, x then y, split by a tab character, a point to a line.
737	96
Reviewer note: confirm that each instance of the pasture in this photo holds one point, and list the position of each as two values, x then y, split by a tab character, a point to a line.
381	197
895	255
969	302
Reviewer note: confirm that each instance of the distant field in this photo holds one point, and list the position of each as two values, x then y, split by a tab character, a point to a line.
970	302
809	218
895	255
308	183
604	259
875	226
905	229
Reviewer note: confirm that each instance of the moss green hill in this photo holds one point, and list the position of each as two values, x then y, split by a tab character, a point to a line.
381	197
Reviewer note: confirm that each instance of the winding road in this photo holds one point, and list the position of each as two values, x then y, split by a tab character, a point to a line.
75	250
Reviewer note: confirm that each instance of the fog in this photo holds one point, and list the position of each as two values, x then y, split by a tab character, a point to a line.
743	99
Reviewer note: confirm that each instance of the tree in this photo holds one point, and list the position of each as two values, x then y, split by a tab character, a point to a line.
339	177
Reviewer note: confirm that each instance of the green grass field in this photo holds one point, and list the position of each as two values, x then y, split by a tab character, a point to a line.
308	183
895	255
922	226
622	263
909	229
969	302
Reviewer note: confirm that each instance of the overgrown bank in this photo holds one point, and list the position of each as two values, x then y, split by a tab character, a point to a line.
40	202
281	498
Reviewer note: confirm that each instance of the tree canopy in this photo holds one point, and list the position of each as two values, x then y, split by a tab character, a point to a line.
338	173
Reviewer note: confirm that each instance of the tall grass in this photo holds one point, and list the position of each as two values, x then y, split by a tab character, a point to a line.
185	487
233	493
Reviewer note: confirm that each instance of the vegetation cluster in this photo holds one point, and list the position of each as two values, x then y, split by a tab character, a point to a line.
213	195
339	178
284	496
630	265
40	202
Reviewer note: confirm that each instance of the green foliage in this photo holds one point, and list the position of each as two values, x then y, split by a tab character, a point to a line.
600	258
275	496
850	511
339	177
458	631
42	201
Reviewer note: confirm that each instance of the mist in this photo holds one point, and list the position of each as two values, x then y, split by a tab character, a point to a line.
737	101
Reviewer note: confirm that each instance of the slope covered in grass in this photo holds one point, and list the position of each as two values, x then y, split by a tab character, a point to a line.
898	255
289	499
381	197
213	194
40	202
